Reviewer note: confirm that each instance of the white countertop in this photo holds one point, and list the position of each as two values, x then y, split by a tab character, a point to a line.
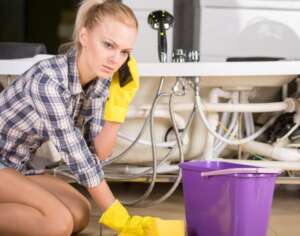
19	66
214	73
220	68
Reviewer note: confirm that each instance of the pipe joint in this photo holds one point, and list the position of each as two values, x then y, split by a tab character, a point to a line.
292	105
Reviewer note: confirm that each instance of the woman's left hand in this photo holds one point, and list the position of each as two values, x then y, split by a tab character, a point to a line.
119	98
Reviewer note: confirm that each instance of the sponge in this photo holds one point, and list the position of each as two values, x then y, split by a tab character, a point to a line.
161	227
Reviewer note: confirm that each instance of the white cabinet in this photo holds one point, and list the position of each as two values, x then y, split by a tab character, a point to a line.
145	49
249	28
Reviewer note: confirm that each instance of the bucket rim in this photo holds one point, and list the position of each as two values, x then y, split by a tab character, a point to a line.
230	171
207	165
212	168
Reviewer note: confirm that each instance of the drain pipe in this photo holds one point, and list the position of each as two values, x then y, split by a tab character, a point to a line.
276	153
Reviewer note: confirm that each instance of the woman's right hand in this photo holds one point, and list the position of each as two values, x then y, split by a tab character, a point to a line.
117	218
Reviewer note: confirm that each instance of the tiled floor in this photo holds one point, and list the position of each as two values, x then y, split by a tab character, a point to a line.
284	221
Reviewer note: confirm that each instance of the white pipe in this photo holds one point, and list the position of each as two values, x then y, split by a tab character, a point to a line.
224	121
276	153
269	164
220	146
135	114
232	142
216	93
246	107
130	170
213	119
148	143
160	112
248	116
288	105
294	145
232	130
281	140
249	123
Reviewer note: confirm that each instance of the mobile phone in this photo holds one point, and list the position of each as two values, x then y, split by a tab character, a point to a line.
124	74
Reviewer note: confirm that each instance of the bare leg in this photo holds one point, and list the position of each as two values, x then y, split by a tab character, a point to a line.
26	209
73	200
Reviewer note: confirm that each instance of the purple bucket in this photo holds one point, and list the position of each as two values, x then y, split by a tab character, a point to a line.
226	199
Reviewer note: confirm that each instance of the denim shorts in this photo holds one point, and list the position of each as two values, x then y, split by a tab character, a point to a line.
2	166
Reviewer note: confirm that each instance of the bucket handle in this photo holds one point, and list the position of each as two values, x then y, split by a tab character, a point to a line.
242	171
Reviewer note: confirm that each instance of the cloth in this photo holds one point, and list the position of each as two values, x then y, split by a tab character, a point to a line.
117	218
48	102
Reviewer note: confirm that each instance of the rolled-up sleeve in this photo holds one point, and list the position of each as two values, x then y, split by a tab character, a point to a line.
48	101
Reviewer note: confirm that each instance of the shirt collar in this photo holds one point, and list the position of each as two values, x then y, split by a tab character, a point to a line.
74	81
73	74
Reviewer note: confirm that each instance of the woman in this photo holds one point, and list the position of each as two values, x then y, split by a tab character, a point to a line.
61	99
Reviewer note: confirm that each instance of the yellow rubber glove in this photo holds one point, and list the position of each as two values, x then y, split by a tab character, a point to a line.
119	98
118	219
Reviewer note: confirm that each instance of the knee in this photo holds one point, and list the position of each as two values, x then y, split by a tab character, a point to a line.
60	225
81	215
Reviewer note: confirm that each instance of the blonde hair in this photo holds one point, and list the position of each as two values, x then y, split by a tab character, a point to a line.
92	12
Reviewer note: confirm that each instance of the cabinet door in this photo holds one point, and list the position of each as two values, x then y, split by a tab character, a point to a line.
249	31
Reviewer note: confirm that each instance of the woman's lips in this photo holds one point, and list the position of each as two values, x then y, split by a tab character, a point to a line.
107	69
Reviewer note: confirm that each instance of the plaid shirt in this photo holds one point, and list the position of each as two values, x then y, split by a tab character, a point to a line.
46	103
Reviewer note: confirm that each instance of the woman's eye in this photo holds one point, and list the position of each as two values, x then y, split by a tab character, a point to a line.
108	45
125	53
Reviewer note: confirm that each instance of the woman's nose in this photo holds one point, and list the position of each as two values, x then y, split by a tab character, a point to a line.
115	58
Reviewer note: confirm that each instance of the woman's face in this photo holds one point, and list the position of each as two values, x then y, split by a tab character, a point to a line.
106	46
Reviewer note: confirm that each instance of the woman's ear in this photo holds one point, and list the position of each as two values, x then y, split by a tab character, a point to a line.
83	36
